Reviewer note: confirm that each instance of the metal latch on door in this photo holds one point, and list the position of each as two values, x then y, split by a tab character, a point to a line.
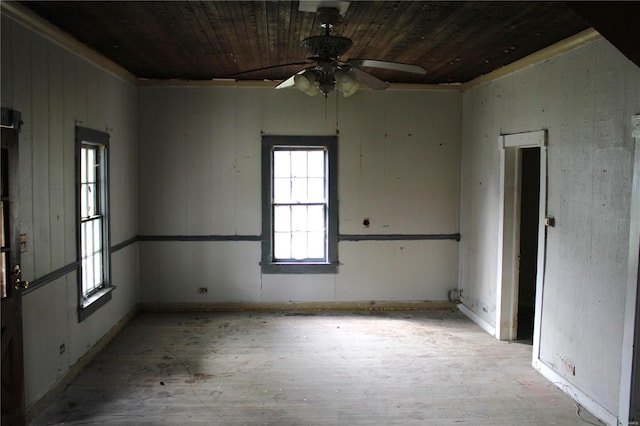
19	283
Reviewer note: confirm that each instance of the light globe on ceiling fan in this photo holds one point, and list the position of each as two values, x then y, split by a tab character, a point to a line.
327	72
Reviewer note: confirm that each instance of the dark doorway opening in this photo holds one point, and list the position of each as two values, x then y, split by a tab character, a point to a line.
529	221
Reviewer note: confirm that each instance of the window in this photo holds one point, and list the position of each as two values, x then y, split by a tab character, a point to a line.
93	220
299	204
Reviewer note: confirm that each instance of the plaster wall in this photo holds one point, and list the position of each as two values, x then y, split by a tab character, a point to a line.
199	162
54	90
585	100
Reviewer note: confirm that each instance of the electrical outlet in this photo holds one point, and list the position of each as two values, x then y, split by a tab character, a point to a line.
203	290
571	369
569	366
62	348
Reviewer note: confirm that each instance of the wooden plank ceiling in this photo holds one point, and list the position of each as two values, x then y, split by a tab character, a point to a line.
201	40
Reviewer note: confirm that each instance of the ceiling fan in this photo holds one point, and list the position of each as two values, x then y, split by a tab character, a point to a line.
327	72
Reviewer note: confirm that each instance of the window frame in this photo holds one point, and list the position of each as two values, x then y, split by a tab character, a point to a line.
92	301
269	144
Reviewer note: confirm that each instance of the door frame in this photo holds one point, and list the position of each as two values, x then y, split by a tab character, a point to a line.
628	409
12	304
509	233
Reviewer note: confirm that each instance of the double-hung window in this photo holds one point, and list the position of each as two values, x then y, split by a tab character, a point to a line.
299	204
93	220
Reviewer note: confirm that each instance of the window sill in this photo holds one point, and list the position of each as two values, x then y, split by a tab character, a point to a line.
94	302
300	268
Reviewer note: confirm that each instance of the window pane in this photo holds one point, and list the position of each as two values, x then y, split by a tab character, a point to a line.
97	258
92	198
87	284
316	245
299	218
92	255
88	239
87	264
282	245
281	190
91	165
316	163
316	190
89	200
282	218
315	217
299	245
83	165
299	163
97	236
282	163
84	276
83	201
299	190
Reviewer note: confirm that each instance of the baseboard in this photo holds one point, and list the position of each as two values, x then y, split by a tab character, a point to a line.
476	318
580	397
51	395
297	306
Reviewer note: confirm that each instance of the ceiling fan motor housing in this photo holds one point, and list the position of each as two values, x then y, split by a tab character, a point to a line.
327	46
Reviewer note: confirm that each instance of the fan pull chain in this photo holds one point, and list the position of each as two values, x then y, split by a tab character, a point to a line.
325	106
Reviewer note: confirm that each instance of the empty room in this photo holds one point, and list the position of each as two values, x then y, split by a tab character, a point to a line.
320	212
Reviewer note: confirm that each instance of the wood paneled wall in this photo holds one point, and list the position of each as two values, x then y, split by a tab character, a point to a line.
584	99
55	90
399	166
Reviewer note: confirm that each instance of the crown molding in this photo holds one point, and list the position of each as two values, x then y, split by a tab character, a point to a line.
271	84
563	46
25	17
216	82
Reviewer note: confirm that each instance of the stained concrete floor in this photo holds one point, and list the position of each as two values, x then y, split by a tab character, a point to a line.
336	368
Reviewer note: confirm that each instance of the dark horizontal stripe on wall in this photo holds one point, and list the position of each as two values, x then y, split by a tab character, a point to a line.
398	237
199	238
342	237
61	272
123	244
50	277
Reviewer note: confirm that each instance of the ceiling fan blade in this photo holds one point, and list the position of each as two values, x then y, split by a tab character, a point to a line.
372	63
287	83
268	68
370	81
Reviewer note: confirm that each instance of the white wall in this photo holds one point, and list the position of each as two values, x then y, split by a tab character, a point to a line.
199	162
585	98
54	89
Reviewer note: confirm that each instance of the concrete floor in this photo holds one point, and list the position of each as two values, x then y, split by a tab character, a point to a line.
339	368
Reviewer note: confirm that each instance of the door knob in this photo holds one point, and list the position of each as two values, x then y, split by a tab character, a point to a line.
21	284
